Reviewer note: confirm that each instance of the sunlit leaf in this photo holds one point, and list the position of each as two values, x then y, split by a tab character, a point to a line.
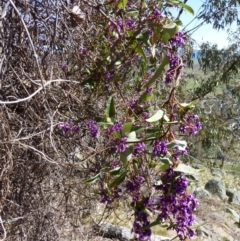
94	179
156	117
186	169
177	143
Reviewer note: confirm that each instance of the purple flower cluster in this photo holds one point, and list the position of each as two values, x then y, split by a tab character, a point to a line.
175	204
170	75
160	148
69	126
93	127
120	144
178	39
191	126
133	186
108	198
156	15
178	153
139	148
141	220
115	127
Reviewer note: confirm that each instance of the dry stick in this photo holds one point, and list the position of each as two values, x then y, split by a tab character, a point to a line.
34	93
4	230
31	42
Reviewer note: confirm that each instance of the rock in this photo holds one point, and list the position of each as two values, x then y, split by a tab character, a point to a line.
198	166
230	193
234	214
217	187
235	199
201	193
122	233
218	172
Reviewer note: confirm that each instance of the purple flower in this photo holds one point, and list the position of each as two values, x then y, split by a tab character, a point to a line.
160	148
115	127
120	144
180	185
129	22
69	126
93	127
108	76
175	204
170	75
133	186
139	148
178	39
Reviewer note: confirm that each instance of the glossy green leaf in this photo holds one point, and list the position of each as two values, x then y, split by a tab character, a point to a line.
127	127
187	8
115	171
166	160
156	117
159	71
118	180
169	31
137	47
110	110
94	179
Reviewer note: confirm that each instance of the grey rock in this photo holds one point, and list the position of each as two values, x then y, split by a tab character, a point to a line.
235	199
217	188
235	215
230	193
201	193
218	172
122	233
198	166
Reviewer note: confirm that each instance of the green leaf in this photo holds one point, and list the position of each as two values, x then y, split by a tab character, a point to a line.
177	143
137	47
190	105
115	171
164	167
122	3
138	129
110	110
94	179
132	137
145	97
159	71
144	37
89	83
126	155
156	117
118	180
154	223
187	8
166	160
169	31
186	169
127	127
